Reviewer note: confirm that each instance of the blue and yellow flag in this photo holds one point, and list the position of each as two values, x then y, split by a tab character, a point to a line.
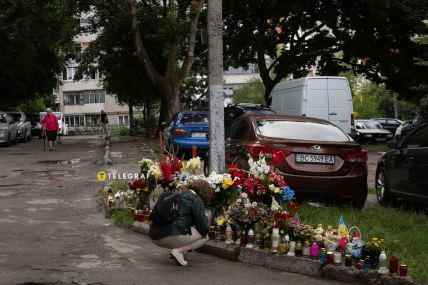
343	230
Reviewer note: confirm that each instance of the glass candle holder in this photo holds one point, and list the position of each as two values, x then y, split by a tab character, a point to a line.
360	265
315	249
258	242
250	239
299	249
211	233
228	235
383	263
275	240
323	255
217	233
330	257
367	264
306	250
393	266
403	270
266	243
292	249
234	235
283	246
243	238
348	260
337	258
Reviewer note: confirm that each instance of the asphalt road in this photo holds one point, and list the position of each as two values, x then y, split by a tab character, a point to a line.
52	230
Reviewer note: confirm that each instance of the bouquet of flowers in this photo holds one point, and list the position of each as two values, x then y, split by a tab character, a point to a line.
259	169
193	165
305	232
281	220
376	245
129	197
170	169
225	189
245	213
332	238
150	172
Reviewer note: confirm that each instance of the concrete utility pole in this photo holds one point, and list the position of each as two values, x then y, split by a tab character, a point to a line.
215	79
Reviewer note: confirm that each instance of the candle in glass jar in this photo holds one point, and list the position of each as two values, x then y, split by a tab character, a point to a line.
243	238
306	251
266	243
323	255
315	249
337	258
275	240
403	270
330	257
292	249
229	235
360	265
250	239
393	266
211	233
299	249
348	260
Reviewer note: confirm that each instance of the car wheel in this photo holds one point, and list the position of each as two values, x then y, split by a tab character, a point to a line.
24	136
29	137
362	197
382	187
8	141
207	166
15	142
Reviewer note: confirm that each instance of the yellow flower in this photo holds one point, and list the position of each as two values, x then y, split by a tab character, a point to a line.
271	187
374	238
146	189
376	244
138	189
220	223
382	240
229	221
182	166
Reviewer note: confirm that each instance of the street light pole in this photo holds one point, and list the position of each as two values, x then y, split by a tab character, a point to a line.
215	79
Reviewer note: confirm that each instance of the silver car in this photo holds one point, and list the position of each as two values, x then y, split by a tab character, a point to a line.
24	125
8	129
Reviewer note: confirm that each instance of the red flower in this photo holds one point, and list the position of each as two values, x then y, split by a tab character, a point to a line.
213	197
261	223
296	209
293	205
255	212
277	225
234	166
289	215
250	193
282	222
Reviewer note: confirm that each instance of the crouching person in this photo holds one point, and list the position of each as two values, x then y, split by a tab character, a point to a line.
179	221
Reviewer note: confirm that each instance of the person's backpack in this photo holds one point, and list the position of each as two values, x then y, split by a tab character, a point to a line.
166	208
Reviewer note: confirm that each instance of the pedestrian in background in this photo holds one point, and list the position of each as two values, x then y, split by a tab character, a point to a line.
104	121
190	230
51	127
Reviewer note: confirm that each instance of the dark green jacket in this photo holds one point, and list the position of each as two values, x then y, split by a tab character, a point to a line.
190	209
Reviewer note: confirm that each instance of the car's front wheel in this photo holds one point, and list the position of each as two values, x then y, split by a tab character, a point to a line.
15	142
24	136
382	187
8	141
29	137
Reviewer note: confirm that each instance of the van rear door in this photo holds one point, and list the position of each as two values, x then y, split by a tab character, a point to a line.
339	103
317	99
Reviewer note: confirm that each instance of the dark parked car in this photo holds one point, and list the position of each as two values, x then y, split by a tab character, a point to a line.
231	112
369	131
389	124
34	120
187	129
416	122
315	157
403	171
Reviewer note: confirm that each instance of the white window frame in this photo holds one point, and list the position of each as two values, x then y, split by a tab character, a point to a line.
122	118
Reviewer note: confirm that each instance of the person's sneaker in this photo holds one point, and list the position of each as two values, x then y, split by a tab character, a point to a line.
178	257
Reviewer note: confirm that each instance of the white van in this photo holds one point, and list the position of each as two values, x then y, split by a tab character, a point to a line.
323	97
63	127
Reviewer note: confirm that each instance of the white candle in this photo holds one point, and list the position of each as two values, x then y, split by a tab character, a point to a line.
337	258
292	250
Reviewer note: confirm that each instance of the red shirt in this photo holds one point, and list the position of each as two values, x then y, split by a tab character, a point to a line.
50	123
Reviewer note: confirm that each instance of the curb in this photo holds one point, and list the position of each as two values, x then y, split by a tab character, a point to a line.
293	264
106	157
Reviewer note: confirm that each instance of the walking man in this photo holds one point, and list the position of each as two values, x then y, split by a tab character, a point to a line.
104	121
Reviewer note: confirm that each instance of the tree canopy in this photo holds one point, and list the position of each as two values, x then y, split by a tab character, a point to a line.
251	92
376	38
32	34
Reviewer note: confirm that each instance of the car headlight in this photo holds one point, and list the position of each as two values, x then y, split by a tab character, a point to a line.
389	136
368	135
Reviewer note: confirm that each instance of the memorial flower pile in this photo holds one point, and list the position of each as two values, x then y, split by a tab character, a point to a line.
170	169
193	165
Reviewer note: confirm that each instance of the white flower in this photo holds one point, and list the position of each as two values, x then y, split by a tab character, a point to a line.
244	195
271	187
254	204
247	205
238	201
276	190
275	205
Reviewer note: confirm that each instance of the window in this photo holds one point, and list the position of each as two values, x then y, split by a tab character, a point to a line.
195	118
230	131
94	96
251	69
68	73
124	120
75	120
242	130
92	120
73	97
95	75
3	119
417	139
301	131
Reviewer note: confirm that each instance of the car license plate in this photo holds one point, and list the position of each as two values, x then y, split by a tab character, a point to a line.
198	135
314	158
380	139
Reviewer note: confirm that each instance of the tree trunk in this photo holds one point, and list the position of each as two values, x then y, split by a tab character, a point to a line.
170	91
148	121
131	120
163	116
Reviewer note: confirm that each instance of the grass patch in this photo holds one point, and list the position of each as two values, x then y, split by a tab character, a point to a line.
375	146
114	134
121	218
404	231
372	191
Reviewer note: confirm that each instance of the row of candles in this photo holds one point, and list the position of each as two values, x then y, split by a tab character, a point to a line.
277	244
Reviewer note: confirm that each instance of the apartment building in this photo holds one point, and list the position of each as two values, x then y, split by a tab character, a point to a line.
82	101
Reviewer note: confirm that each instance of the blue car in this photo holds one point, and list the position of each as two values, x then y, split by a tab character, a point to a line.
187	129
